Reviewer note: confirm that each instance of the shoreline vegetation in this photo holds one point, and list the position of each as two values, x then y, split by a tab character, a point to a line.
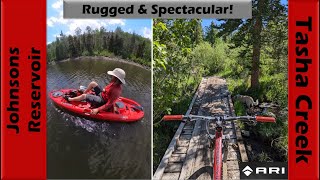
117	45
106	58
251	55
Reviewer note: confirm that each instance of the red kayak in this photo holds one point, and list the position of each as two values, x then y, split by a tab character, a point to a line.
127	109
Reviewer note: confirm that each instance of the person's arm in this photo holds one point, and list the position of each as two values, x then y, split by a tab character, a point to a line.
112	99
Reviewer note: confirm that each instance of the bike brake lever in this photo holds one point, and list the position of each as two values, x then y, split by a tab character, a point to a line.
185	119
252	123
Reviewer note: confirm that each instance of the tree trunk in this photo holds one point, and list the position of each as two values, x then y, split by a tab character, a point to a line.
257	46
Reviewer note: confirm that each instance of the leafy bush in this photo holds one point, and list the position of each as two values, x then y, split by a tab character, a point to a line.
211	57
176	73
239	108
106	53
85	53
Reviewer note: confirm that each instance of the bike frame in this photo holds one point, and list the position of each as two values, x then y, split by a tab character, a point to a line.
217	161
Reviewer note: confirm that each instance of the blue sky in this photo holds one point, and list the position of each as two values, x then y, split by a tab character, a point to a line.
56	23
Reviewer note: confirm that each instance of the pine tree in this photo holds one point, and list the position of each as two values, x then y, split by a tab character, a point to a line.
72	47
140	49
247	32
111	43
58	53
198	32
89	40
211	33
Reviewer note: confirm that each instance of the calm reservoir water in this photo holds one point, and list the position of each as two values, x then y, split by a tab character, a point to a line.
81	148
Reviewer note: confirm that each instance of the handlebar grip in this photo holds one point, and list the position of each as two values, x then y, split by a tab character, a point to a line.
172	117
265	119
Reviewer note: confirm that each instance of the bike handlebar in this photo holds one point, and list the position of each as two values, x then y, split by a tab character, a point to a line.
265	119
172	117
257	118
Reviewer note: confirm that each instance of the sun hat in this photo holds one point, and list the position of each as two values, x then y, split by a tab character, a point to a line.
118	73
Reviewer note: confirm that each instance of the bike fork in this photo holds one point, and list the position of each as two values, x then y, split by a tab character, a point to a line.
217	164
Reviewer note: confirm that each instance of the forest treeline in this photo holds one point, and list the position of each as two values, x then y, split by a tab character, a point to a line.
250	53
100	42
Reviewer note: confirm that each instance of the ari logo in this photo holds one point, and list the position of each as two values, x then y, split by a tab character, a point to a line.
247	170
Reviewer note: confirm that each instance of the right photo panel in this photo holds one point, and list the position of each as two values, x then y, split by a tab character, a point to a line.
220	95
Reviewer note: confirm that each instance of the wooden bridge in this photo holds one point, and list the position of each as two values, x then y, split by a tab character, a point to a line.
189	155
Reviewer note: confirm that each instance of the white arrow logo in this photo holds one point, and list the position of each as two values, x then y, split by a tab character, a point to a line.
247	170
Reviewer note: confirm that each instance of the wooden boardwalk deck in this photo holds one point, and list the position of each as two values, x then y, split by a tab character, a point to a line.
189	155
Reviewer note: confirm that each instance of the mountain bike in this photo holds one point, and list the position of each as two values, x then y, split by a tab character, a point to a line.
218	137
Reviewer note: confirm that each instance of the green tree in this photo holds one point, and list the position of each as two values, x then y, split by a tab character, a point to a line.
140	50
89	40
133	43
175	72
198	32
111	43
118	47
72	47
64	45
211	33
58	52
247	32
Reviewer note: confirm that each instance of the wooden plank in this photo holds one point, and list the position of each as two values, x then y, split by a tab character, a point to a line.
233	155
189	127
238	134
180	150
177	158
173	167
233	165
170	176
185	137
189	123
203	158
183	143
225	171
187	131
232	148
188	163
234	175
243	152
191	153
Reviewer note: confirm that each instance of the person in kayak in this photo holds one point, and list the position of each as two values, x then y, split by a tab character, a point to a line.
103	98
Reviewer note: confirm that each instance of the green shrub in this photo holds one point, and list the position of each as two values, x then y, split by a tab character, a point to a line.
106	53
85	53
211	57
239	108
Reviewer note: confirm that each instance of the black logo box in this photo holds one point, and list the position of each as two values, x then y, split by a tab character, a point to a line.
263	167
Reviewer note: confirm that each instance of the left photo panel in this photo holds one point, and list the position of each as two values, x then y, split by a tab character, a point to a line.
98	97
